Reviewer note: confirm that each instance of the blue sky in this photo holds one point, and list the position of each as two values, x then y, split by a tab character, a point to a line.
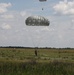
14	32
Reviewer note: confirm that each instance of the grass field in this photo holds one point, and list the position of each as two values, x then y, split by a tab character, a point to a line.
43	54
50	61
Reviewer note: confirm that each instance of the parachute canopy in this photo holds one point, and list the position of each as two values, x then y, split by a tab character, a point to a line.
37	21
42	0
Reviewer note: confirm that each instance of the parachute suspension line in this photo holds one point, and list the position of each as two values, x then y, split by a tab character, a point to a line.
36	43
42	6
29	34
40	40
42	2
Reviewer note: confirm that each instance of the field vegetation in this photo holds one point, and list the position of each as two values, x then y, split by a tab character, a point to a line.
49	61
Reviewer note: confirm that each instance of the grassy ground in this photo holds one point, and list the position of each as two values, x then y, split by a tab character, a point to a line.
35	68
22	61
43	54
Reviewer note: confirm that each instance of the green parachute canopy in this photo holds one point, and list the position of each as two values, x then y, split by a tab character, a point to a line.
37	21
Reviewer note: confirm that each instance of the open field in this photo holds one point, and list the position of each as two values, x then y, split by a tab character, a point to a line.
24	54
50	61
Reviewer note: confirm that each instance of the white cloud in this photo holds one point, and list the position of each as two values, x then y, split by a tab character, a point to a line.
5	26
7	16
23	13
64	7
4	6
58	34
45	29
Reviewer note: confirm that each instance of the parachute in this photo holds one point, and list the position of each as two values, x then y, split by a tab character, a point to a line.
42	0
37	21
